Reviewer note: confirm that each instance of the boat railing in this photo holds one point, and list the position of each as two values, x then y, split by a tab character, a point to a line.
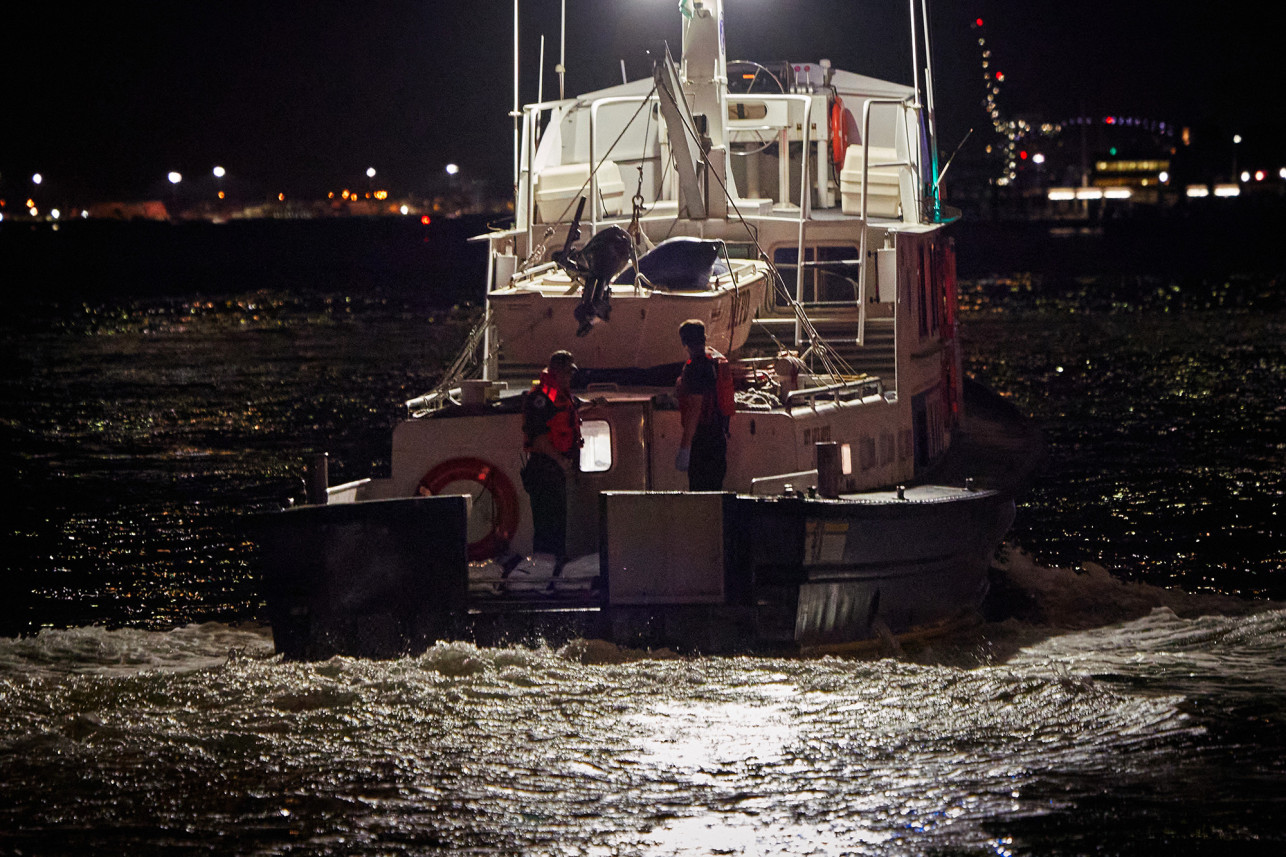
786	484
848	390
863	247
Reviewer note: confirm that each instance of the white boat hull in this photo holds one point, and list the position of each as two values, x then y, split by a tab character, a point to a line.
642	332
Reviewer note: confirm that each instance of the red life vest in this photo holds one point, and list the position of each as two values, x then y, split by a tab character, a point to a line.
724	401
564	425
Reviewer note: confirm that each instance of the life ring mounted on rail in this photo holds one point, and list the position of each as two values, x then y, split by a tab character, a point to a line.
495	486
839	133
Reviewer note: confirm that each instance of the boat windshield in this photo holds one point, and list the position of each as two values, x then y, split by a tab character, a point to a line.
831	274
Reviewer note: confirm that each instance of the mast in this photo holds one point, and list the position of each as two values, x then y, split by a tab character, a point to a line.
515	113
703	77
705	63
935	190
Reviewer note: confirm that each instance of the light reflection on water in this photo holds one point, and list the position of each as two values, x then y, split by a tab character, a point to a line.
1099	712
156	739
139	431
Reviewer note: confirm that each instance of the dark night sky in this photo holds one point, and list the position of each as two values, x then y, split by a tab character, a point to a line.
104	99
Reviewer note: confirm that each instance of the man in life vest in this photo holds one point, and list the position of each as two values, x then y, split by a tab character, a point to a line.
552	442
705	397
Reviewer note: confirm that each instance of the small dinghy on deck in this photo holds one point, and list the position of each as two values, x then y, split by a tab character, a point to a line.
634	324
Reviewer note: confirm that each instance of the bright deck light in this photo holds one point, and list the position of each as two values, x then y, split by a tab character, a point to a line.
1227	190
1197	191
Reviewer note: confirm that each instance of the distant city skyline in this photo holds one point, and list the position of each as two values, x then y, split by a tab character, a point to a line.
303	98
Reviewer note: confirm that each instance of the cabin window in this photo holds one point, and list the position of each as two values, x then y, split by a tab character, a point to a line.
831	274
596	454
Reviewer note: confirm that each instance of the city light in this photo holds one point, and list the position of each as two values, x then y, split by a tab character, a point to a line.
370	172
452	169
220	172
175	177
37	178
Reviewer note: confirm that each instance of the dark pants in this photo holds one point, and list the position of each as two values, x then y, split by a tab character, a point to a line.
546	484
709	462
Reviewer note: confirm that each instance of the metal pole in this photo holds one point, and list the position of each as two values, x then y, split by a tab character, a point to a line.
316	480
562	51
933	115
514	112
540	80
915	57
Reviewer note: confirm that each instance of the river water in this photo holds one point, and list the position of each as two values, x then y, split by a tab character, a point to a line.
1125	694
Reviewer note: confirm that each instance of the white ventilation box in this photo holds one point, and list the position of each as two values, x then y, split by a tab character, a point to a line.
888	180
559	188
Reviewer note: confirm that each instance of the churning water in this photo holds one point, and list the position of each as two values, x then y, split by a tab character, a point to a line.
1126	694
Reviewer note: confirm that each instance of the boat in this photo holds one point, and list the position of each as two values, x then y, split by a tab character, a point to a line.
794	208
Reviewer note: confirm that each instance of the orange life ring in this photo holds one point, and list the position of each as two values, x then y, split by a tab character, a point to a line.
504	500
839	133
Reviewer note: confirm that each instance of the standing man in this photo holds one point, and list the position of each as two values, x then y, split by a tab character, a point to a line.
552	441
703	451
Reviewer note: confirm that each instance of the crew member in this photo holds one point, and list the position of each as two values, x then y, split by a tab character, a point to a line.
703	450
551	429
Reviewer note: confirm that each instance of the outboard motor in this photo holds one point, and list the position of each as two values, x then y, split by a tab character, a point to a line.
595	266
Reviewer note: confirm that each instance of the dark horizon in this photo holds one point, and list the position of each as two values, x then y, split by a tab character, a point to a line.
302	98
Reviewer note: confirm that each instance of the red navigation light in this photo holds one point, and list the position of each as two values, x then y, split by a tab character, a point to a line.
1023	154
1000	76
425	219
977	22
1111	120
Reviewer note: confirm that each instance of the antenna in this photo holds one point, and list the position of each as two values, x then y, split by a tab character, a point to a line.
514	113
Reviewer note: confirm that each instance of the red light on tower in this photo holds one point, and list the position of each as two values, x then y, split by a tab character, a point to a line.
425	219
1023	154
977	22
